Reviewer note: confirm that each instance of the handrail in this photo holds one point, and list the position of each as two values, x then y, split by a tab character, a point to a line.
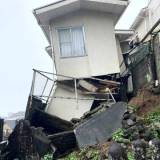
73	78
46	97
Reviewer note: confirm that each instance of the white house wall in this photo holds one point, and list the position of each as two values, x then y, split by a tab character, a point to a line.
100	45
68	108
143	28
120	56
148	21
154	11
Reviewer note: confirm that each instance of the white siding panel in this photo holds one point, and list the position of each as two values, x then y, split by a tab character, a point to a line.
68	108
100	45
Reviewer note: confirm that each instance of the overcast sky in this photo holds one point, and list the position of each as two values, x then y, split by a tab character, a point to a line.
22	46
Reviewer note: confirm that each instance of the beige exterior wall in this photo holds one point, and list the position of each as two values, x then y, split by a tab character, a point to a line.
100	45
68	108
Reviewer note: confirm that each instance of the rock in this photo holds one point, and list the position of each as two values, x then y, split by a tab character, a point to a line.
133	117
117	152
140	128
126	116
139	148
124	124
147	135
130	122
156	90
155	148
155	143
135	136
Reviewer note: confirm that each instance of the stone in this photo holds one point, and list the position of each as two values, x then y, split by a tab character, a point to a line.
155	148
133	117
139	148
130	122
117	152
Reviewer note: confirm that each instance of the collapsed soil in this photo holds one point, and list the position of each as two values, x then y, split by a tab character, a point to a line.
145	102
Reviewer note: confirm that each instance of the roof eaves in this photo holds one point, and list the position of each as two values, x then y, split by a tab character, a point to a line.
49	5
42	26
127	3
120	2
124	31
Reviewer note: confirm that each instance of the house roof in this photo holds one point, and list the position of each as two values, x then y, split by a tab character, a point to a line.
49	12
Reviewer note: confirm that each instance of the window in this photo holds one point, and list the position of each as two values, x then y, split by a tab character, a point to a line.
71	42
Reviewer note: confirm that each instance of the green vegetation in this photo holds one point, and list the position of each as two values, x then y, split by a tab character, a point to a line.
72	156
153	117
153	122
88	153
118	135
130	155
48	157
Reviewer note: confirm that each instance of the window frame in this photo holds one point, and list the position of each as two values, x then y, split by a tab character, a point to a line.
70	29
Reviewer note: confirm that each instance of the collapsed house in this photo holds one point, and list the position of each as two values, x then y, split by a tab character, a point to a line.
84	51
85	86
94	68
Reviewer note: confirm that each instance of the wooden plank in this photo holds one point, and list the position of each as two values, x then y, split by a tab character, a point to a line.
88	86
110	83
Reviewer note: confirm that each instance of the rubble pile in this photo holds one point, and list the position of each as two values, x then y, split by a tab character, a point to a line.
108	132
138	139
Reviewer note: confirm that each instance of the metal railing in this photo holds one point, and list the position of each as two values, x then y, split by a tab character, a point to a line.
44	84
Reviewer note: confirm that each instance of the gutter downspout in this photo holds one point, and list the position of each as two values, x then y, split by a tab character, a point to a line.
52	49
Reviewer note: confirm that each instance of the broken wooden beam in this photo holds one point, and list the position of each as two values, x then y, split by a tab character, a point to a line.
110	83
64	143
88	86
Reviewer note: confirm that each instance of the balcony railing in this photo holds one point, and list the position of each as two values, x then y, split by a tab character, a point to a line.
44	84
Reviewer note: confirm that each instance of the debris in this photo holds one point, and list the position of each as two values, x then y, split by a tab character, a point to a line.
101	126
49	133
64	143
88	86
51	124
20	143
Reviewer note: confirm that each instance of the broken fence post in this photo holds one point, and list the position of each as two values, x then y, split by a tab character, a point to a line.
1	129
76	93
